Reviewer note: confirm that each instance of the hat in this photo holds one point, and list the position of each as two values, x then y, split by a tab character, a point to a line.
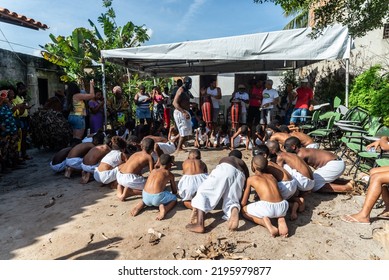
241	86
116	89
3	94
305	80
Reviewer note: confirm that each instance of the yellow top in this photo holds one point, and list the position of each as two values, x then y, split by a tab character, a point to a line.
78	108
19	100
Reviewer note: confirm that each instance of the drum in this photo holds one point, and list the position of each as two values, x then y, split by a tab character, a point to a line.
235	110
206	110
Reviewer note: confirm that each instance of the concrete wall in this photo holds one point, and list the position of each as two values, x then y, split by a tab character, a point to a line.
17	67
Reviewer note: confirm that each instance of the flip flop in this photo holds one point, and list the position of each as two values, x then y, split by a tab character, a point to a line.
351	220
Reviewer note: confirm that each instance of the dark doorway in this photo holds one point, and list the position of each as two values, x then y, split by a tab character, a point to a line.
43	89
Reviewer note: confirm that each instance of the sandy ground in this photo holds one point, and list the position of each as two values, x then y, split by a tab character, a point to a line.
88	222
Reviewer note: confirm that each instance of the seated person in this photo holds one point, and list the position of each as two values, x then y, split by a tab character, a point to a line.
155	193
129	174
202	134
271	204
223	137
105	172
76	154
194	172
241	138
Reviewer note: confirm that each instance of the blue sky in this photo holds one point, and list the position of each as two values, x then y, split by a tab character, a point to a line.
168	20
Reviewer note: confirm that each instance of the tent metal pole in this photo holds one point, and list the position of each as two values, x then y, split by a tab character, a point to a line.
348	72
104	95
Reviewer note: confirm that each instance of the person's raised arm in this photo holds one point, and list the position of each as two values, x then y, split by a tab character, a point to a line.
86	96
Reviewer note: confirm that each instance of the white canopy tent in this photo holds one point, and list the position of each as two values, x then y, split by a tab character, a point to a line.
287	49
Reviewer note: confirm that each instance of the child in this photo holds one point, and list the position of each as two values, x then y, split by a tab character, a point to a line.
223	137
76	154
271	204
105	173
241	137
91	160
154	192
129	175
194	172
202	136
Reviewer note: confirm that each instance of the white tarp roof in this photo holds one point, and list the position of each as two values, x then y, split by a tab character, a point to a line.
254	52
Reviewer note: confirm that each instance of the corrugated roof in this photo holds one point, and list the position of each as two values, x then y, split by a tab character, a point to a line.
21	20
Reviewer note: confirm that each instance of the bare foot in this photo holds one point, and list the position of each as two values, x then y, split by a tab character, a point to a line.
135	211
272	229
301	203
85	177
67	172
282	227
384	214
355	219
193	217
121	198
195	228
293	213
233	222
162	212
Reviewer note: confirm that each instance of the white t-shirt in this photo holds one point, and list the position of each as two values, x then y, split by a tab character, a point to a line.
242	96
268	96
213	93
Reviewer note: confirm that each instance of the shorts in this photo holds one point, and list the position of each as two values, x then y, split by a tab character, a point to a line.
167	148
157	199
188	185
89	168
263	209
313	146
328	173
74	163
287	188
58	167
105	177
76	121
132	181
304	184
184	125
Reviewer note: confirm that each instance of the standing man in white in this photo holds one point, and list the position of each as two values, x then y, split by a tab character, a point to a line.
270	99
216	95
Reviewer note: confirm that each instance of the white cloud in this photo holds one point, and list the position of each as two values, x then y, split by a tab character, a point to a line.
190	14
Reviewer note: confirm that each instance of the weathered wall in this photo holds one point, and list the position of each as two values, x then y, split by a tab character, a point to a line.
16	67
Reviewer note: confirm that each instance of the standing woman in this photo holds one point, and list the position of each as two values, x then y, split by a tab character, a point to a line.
142	100
96	111
158	101
77	109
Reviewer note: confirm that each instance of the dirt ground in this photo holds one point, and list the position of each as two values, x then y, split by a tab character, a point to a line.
46	216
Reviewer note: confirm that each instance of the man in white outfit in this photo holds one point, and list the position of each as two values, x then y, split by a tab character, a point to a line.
226	181
270	99
216	95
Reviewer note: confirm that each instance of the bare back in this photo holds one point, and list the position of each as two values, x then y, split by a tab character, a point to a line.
157	180
304	138
80	150
237	163
182	99
265	185
61	155
96	154
278	172
316	157
295	162
136	163
194	167
280	137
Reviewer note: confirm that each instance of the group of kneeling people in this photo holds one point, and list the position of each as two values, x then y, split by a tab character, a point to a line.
280	178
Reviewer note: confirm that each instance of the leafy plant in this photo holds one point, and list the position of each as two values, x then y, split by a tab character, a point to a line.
371	91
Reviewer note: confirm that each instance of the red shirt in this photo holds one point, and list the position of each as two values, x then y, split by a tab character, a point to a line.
304	95
256	97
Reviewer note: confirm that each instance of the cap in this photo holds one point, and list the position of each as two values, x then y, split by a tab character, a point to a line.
241	86
305	80
3	94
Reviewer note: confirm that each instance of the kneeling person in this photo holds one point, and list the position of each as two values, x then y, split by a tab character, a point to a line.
155	193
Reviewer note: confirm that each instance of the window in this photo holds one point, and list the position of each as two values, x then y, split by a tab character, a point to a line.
386	31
